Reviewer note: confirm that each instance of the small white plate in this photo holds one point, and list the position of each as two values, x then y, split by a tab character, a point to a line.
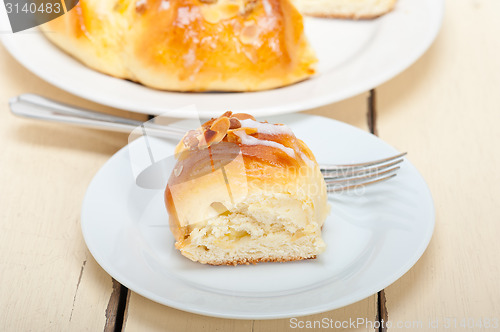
354	56
372	238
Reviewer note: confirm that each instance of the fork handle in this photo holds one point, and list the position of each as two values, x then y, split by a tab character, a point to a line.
41	108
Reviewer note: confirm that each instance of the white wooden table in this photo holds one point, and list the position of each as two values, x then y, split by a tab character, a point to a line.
444	110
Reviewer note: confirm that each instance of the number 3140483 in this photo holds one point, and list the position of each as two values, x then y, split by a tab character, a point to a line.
33	8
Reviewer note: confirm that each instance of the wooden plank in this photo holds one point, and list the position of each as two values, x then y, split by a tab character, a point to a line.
445	111
354	111
48	279
339	319
145	315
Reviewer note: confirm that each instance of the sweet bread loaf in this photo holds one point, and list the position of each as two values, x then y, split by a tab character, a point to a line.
352	9
189	45
245	191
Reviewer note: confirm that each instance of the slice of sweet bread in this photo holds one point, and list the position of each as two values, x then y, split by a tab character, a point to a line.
351	9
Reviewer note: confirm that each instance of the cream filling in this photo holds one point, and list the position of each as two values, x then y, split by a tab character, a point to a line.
239	236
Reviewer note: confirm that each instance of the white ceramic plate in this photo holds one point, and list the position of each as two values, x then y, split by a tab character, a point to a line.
372	238
354	56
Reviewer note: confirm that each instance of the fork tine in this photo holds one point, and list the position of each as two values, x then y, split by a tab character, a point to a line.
340	168
363	177
351	173
353	186
362	180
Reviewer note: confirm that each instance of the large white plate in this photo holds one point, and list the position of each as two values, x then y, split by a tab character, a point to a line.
354	56
372	238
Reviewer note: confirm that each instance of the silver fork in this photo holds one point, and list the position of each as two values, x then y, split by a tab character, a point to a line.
345	177
337	177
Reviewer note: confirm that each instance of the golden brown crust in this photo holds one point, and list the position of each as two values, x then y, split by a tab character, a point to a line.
285	149
261	260
189	45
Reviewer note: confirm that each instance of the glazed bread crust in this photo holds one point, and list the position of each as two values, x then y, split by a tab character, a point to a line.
189	45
